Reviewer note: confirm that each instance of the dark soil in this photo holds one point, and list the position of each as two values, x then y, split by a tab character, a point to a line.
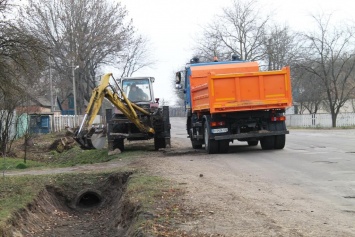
39	146
65	210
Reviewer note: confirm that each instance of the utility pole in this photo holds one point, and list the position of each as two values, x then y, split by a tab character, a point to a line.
74	88
50	79
269	49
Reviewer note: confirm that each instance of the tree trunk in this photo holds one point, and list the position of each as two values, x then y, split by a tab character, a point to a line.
334	119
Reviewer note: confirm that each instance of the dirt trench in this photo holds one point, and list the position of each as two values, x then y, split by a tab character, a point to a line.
96	210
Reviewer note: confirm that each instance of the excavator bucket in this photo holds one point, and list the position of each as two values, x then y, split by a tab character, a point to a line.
95	138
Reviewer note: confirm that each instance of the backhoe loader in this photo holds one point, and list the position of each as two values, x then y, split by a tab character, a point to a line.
136	115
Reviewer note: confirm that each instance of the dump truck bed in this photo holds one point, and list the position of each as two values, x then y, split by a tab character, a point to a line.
239	87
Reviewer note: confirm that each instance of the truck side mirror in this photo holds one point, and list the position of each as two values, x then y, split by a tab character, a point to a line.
178	78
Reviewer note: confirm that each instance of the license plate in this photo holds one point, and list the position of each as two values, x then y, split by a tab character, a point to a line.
219	130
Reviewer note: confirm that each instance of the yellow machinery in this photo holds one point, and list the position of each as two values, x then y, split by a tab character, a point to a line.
140	120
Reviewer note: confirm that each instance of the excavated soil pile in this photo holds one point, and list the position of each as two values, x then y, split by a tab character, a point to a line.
97	210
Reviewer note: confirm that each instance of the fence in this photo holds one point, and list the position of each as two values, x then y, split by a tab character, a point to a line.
8	123
60	122
177	111
319	120
298	120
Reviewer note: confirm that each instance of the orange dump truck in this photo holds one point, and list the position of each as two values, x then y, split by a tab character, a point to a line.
234	100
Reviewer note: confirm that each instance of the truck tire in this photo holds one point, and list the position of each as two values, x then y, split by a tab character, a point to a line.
267	143
196	144
253	143
118	143
159	142
211	146
280	141
223	146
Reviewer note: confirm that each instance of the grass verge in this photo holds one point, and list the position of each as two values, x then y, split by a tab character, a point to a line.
77	156
7	163
72	157
161	206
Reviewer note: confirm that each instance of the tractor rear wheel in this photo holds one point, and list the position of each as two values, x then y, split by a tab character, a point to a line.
159	142
118	143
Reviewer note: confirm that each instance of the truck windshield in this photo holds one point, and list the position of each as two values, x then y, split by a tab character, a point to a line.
137	90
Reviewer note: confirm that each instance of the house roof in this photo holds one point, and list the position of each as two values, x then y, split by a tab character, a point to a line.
43	101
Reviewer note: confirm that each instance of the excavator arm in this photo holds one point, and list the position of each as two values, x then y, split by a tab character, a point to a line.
90	137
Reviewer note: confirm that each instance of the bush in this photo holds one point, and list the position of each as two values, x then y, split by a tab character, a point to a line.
21	166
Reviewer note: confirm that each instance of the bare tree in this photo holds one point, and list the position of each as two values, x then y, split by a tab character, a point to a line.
20	54
282	47
10	99
308	90
136	55
84	33
13	95
331	61
209	45
3	5
239	30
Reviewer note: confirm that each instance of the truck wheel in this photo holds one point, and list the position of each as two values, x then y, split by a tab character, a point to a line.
280	141
223	146
196	145
118	143
253	143
211	146
267	143
159	142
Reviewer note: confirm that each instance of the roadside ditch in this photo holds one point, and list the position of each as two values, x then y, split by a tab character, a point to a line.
99	209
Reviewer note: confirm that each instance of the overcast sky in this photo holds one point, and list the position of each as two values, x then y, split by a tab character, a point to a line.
172	25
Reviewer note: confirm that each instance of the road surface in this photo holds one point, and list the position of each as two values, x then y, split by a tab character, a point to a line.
306	189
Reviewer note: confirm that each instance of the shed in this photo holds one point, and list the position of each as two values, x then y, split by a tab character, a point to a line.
40	123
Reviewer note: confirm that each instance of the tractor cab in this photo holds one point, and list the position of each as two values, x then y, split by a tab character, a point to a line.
138	89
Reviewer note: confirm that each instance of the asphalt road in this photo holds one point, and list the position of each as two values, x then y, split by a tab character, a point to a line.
311	181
